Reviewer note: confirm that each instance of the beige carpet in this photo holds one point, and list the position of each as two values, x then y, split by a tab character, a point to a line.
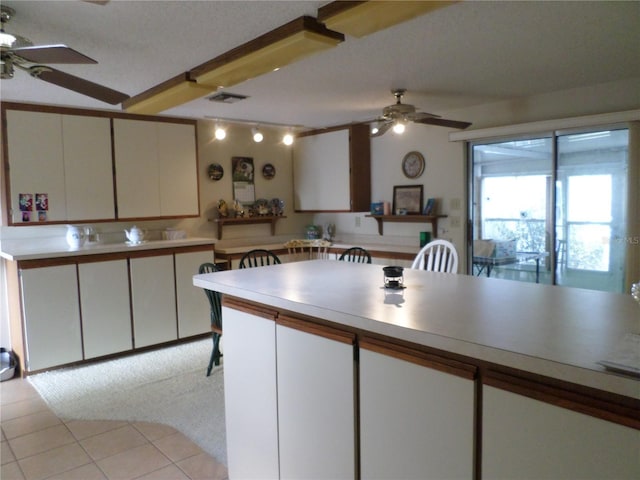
166	386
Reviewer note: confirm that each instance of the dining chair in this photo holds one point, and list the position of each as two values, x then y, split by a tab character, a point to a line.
355	254
307	249
437	256
215	304
259	258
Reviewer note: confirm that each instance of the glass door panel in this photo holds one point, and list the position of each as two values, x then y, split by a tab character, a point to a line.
590	214
511	209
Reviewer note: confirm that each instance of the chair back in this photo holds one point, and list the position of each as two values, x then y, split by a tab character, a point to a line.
437	256
215	301
259	258
355	254
307	249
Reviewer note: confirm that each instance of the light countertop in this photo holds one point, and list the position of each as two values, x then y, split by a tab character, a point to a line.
33	249
554	331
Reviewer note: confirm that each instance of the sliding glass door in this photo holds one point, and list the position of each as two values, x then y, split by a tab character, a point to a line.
551	209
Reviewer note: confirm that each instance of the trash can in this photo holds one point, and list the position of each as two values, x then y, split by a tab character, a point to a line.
7	364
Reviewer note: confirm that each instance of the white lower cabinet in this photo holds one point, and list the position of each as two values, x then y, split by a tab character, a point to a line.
526	438
251	404
416	422
50	302
153	300
194	315
316	404
104	300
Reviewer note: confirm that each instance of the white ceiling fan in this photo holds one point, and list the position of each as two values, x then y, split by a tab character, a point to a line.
399	114
19	52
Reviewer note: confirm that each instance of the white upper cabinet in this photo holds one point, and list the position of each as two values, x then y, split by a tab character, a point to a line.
156	169
137	173
63	158
36	165
332	171
321	161
178	170
88	168
62	161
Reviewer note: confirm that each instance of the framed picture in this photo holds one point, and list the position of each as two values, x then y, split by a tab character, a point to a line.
407	200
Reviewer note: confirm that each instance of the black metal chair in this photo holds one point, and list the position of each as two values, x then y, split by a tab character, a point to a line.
355	254
259	258
216	317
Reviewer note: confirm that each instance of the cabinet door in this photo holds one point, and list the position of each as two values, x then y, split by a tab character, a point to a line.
251	408
51	316
178	169
527	438
316	409
137	172
319	162
88	167
104	298
416	422
36	161
194	315
153	300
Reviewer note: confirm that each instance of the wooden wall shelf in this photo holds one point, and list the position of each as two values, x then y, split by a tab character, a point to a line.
246	221
432	219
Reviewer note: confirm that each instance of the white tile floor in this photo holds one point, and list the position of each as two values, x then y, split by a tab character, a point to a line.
38	445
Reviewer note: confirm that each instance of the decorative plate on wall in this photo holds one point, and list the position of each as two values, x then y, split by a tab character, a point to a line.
215	171
268	171
413	164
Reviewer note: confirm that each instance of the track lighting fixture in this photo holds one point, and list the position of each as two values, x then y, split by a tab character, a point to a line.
257	135
220	133
287	139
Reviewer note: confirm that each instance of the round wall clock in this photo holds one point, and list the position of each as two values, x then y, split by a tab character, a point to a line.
215	171
413	164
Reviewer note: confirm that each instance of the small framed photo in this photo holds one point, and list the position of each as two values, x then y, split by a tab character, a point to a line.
407	200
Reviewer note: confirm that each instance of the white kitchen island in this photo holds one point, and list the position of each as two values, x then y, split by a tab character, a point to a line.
329	375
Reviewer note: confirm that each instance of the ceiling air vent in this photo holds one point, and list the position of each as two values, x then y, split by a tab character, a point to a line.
226	97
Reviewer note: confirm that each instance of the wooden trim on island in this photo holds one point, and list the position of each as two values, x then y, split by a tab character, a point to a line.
316	329
419	357
577	401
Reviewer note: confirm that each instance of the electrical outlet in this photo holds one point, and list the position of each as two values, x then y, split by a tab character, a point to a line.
358	220
455	204
454	222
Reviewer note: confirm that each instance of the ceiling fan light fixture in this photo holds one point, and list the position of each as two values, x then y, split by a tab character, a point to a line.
257	135
6	39
399	127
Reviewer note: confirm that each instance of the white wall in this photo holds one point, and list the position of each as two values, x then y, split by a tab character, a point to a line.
239	143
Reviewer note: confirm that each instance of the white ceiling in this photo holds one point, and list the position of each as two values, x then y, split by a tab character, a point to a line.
466	54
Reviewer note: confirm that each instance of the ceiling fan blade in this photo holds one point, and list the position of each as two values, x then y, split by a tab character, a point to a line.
52	54
382	129
78	84
443	122
422	115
